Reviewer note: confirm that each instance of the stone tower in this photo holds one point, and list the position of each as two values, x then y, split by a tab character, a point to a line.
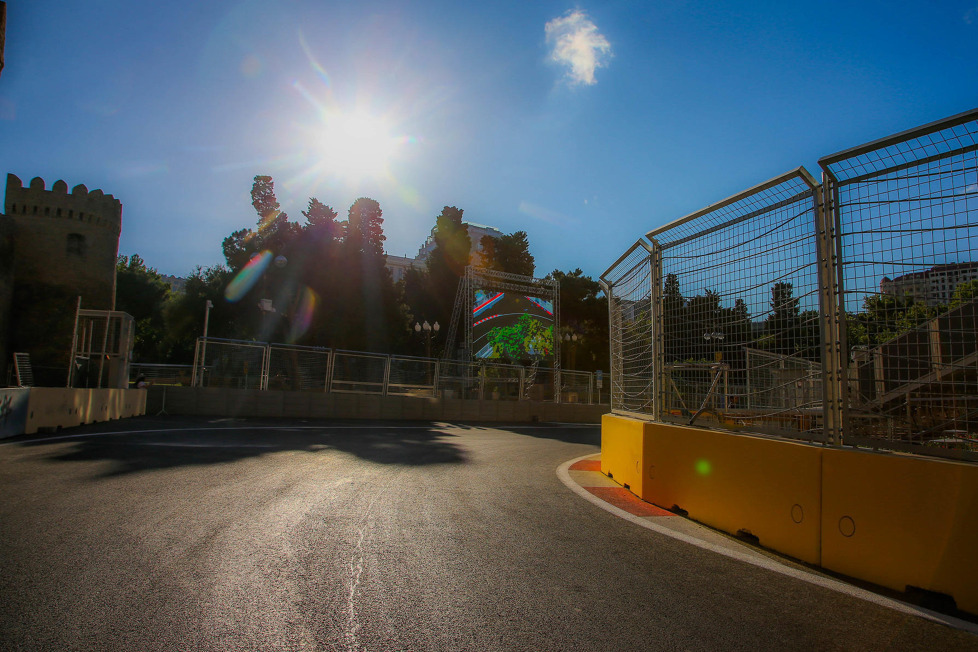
68	240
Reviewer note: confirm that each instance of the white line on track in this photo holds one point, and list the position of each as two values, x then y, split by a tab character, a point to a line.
563	472
288	428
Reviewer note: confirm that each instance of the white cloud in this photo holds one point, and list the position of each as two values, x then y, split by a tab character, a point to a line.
576	43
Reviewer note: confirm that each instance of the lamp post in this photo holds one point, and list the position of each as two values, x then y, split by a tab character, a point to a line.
427	329
572	339
203	349
716	337
266	306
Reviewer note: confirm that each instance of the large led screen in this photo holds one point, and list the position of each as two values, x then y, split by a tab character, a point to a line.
512	326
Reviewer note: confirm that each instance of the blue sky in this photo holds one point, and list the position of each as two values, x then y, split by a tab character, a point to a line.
585	124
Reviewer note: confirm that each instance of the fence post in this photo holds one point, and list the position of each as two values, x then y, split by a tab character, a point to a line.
387	374
193	375
434	384
330	365
655	310
831	311
612	326
266	362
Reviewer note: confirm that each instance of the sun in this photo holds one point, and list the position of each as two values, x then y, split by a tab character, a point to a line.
355	145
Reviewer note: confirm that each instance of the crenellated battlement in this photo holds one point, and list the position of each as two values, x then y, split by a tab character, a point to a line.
65	239
93	208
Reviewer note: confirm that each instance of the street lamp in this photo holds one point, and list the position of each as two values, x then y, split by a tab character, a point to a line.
428	329
572	338
714	336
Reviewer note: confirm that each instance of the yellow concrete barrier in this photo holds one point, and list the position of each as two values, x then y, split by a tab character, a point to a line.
902	521
738	483
622	450
895	520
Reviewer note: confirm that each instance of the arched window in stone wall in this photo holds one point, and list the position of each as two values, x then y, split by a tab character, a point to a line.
76	245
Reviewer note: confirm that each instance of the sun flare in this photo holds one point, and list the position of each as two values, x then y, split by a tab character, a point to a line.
356	145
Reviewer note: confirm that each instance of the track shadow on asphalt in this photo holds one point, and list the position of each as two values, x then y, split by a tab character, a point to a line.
571	434
205	444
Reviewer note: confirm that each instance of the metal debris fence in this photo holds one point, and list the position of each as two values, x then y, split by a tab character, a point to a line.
264	366
843	311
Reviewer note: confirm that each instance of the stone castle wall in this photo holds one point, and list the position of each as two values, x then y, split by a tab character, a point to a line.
66	239
6	288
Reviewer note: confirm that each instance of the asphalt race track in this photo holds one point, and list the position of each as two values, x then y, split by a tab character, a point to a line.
179	534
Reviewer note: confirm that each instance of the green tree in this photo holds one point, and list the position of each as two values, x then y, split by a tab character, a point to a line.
142	292
673	319
584	313
509	253
963	293
183	314
274	232
783	323
371	318
431	295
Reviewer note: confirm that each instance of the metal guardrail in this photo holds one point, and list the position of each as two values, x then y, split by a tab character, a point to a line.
259	365
844	311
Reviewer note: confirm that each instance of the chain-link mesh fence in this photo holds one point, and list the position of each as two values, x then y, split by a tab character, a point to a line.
361	373
847	309
229	364
907	215
297	368
257	365
628	285
576	387
739	275
459	379
503	382
412	376
161	374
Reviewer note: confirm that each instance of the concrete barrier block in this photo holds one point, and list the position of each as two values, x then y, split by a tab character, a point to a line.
321	405
452	409
184	400
413	408
211	401
902	521
392	407
433	409
54	407
470	410
368	406
553	411
623	451
345	406
296	405
737	483
520	411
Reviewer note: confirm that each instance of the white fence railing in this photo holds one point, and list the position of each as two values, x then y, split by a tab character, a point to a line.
259	365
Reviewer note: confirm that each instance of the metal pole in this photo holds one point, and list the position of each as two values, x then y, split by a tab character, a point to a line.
203	350
74	343
658	323
193	376
105	343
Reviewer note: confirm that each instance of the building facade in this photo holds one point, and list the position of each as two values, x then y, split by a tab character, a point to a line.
934	286
399	265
